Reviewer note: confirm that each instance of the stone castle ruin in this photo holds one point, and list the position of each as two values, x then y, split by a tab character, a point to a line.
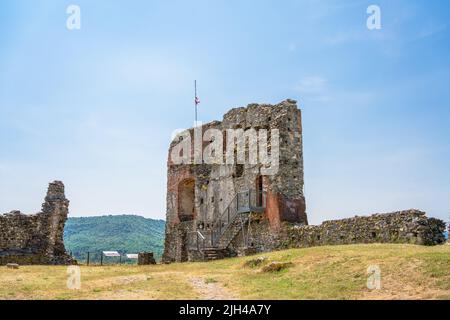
38	238
234	187
218	208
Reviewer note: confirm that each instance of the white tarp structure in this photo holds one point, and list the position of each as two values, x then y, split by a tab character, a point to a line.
111	254
132	255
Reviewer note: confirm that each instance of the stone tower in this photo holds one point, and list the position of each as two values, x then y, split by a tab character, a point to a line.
217	207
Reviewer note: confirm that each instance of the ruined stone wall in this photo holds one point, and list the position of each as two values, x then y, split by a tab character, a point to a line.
38	238
409	227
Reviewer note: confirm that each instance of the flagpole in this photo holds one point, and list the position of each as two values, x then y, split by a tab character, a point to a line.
195	101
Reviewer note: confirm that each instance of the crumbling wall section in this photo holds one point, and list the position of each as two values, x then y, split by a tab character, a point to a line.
403	227
38	238
408	227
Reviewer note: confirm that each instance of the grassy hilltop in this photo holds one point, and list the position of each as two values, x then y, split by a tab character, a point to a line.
124	233
340	272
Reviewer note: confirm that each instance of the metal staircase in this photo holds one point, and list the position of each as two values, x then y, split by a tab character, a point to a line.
213	244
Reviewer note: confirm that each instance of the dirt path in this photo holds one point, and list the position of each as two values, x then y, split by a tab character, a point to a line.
211	291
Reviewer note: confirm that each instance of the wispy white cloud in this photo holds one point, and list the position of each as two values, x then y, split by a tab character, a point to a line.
145	71
313	88
314	84
431	30
319	89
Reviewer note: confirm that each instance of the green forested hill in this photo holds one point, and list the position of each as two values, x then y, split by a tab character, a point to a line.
125	233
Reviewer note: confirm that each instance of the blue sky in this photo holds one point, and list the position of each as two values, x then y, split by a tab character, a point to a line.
96	107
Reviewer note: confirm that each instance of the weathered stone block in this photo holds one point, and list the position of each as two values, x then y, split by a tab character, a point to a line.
146	258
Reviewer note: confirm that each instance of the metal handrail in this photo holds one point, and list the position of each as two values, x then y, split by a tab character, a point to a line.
242	203
201	235
196	240
237	209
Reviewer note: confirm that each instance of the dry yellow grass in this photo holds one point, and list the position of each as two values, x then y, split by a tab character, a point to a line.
407	272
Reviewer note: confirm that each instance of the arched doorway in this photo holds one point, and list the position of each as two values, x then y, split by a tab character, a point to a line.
186	200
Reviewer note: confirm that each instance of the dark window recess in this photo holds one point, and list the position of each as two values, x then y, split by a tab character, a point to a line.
212	199
201	200
239	171
374	235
